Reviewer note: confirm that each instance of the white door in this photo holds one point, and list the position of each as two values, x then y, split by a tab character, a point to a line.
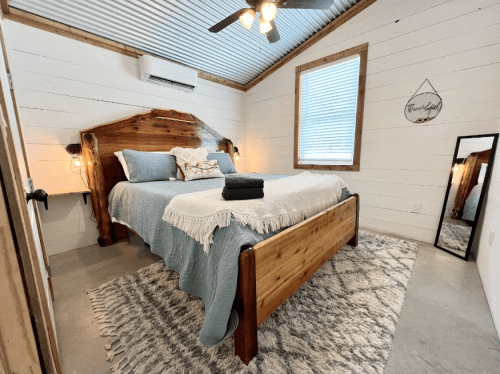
31	226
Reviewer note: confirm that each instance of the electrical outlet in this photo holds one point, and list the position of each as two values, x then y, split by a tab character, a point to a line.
492	236
416	208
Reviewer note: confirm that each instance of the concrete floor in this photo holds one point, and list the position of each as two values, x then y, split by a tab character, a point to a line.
445	325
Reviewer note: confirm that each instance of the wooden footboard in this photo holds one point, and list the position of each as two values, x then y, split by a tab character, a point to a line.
271	271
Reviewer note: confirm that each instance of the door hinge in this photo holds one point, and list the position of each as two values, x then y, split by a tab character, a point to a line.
11	81
31	186
49	271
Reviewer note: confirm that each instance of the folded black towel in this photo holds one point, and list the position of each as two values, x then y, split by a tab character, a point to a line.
243	182
242	193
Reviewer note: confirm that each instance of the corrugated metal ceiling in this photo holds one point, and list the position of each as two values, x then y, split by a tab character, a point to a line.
178	30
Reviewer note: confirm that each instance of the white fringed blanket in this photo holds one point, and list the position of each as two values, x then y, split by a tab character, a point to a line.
286	202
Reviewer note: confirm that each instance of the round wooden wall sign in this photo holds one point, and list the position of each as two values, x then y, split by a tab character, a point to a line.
423	107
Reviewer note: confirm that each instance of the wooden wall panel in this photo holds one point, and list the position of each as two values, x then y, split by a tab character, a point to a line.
456	45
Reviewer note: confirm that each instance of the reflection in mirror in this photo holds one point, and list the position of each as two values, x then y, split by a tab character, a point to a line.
469	178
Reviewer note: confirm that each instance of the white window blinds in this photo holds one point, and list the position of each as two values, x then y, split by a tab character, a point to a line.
327	112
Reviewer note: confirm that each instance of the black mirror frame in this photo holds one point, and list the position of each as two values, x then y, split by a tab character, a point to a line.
486	186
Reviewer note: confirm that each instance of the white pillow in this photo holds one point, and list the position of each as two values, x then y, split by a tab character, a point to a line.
191	155
124	164
482	173
202	170
120	157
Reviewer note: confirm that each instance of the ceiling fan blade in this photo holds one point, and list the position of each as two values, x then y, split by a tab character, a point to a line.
273	35
305	4
226	21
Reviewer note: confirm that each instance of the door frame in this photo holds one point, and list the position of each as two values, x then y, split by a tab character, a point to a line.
18	345
43	328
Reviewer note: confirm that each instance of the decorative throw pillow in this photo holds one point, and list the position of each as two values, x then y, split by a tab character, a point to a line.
191	155
148	166
200	170
224	161
119	155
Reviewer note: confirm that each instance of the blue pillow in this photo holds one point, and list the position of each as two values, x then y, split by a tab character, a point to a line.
226	165
149	166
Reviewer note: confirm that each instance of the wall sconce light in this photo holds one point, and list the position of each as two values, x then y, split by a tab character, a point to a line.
236	153
75	151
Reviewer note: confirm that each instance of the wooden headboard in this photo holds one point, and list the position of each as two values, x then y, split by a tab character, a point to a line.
157	130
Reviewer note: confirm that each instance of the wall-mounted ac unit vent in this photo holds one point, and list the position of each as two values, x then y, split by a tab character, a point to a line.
167	74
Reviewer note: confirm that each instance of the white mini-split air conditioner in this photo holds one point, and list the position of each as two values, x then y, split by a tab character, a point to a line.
167	74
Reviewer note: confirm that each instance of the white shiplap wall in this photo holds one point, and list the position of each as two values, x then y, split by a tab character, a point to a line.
453	43
488	256
63	86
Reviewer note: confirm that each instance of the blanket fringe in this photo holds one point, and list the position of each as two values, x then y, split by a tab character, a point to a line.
201	229
107	328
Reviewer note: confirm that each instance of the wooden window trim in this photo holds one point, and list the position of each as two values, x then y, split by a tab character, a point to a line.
362	50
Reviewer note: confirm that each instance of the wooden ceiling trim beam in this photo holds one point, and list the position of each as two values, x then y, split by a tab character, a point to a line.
335	24
89	38
4	5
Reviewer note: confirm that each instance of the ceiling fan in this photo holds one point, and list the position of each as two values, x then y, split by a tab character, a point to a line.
267	10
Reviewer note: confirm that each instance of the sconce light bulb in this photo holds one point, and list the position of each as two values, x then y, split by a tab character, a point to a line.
77	163
455	168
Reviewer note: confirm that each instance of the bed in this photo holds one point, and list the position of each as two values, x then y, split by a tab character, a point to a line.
263	270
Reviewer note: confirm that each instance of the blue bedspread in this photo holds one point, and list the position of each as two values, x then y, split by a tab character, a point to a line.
212	277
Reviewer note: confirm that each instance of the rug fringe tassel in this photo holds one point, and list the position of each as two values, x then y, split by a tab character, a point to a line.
110	345
108	329
111	355
124	362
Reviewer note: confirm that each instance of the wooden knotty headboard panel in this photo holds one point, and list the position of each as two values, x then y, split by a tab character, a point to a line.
157	130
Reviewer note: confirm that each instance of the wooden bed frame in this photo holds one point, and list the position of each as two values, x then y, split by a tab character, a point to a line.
270	271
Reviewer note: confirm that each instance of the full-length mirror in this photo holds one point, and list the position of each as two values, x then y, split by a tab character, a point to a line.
469	177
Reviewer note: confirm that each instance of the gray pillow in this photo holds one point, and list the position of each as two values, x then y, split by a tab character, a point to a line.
226	165
148	166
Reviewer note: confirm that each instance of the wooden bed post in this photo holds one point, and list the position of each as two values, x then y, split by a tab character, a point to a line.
354	241
230	149
245	336
98	196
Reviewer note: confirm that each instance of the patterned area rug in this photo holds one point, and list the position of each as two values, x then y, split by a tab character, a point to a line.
342	320
454	236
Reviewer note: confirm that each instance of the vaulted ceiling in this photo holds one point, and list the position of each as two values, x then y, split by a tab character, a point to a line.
178	30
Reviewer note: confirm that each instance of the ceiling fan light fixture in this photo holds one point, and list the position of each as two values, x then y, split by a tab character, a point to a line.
268	10
265	26
247	18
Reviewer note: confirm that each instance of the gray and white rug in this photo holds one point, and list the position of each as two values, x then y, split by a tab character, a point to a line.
454	236
342	320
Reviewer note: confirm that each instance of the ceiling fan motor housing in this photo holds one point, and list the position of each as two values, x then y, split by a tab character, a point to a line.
256	4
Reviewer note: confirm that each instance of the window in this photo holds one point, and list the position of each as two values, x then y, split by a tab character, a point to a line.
329	102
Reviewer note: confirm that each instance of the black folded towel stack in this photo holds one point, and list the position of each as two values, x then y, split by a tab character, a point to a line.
243	188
